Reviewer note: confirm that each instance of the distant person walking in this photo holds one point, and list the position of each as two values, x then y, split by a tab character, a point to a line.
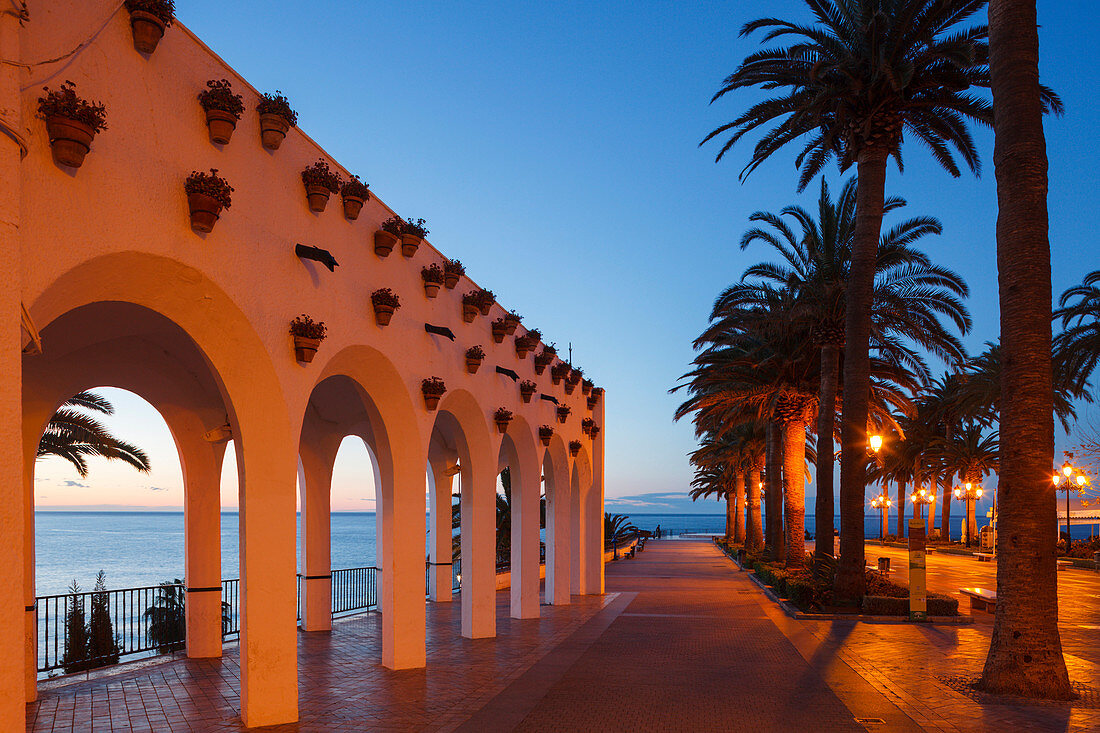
658	531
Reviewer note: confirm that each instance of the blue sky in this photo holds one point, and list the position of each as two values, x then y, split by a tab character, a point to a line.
552	147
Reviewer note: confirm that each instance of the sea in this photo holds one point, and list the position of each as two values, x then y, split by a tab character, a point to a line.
144	548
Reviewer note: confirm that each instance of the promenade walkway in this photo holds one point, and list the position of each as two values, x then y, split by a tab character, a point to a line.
683	640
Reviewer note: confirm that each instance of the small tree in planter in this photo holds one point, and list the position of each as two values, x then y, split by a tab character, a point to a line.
586	386
474	356
354	193
534	336
412	234
542	360
148	21
433	389
563	413
452	271
502	417
388	237
586	425
432	275
511	321
223	109
207	195
320	182
385	302
485	300
574	447
71	123
545	434
308	335
559	371
471	306
276	119
499	330
527	390
523	345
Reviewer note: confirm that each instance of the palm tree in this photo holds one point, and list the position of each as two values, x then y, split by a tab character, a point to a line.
910	296
1025	654
852	84
969	454
616	529
73	434
1078	346
166	619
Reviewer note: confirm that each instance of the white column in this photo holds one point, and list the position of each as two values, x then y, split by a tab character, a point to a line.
268	593
479	612
402	552
201	463
441	479
558	562
13	497
525	540
593	509
316	488
576	534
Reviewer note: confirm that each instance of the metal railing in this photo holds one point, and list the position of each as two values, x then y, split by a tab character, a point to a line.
354	589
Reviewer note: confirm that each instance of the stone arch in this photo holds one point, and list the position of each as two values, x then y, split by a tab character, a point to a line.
240	365
461	425
556	477
580	485
519	451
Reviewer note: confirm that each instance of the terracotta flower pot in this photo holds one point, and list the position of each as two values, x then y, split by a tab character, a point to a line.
318	198
569	387
502	426
472	365
148	30
305	348
545	439
485	308
204	212
221	125
409	244
592	402
431	401
574	450
273	129
594	431
70	140
352	206
431	289
383	314
451	280
498	333
540	368
510	324
384	242
469	313
585	389
555	379
526	396
521	348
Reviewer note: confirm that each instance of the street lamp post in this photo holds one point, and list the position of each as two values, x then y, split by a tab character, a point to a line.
919	499
882	503
970	494
1069	478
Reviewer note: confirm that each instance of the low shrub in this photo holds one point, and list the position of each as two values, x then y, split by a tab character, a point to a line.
802	594
937	605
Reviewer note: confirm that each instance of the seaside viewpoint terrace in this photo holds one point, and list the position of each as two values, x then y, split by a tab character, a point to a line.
119	277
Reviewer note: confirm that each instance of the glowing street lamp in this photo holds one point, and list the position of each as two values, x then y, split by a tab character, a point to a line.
1069	478
919	499
971	494
883	504
875	442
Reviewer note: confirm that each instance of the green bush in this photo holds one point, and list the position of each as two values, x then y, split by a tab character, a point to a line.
938	605
801	594
941	605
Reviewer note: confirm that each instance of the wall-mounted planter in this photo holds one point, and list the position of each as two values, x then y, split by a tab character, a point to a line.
559	372
523	345
305	348
563	413
273	130
207	195
474	356
433	389
499	330
469	313
586	387
502	417
432	275
205	212
223	108
545	434
318	198
586	425
70	140
221	125
409	244
542	361
486	298
511	321
452	271
354	193
320	182
594	431
384	242
592	400
385	302
527	391
148	29
352	206
570	386
431	289
574	447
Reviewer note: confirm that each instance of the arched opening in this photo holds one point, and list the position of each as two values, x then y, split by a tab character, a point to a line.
520	518
556	480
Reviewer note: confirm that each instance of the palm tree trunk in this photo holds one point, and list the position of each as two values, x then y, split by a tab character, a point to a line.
855	390
731	501
945	512
794	493
901	510
773	487
738	507
754	531
1025	654
823	507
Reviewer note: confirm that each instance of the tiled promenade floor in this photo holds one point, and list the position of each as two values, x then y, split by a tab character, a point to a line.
682	641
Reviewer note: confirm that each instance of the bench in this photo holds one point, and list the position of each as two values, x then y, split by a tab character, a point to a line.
985	557
981	599
1063	564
